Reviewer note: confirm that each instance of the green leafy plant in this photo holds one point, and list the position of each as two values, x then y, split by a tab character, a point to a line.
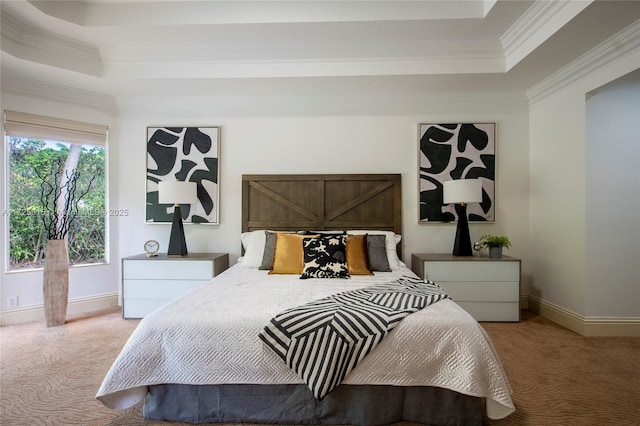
27	232
495	241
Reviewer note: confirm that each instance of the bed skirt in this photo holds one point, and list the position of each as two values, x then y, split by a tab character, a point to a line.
347	404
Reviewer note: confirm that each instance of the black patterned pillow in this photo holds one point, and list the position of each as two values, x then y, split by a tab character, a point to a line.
326	232
325	257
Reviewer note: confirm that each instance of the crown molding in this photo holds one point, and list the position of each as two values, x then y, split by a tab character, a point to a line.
306	68
284	52
30	43
296	61
19	85
259	106
603	54
536	25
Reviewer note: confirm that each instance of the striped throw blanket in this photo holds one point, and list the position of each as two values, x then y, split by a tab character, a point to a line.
324	340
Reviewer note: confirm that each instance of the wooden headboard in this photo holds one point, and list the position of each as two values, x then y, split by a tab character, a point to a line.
322	202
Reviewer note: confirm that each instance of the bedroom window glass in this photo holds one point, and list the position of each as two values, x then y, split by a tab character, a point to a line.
35	144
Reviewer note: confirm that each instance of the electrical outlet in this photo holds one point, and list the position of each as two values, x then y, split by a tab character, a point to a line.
12	301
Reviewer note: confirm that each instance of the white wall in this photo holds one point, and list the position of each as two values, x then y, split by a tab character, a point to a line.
613	199
325	144
85	282
285	143
557	193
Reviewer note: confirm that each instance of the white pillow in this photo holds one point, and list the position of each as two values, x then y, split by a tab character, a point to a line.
245	237
391	241
254	248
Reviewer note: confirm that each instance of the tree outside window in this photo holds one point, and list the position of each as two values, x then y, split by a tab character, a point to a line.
30	158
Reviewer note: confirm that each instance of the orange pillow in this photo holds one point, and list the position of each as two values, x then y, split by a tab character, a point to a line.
288	257
357	255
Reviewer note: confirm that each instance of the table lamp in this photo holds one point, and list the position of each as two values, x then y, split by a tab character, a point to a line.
176	193
462	191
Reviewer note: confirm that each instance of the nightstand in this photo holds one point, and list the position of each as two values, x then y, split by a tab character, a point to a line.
487	288
150	282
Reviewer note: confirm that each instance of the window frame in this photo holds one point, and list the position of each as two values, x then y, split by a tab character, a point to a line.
26	125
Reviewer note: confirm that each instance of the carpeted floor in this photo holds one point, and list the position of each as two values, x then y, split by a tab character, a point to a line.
49	376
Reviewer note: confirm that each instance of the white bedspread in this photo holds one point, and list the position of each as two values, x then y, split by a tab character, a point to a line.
210	336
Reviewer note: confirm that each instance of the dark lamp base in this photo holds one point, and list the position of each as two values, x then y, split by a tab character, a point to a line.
177	242
462	244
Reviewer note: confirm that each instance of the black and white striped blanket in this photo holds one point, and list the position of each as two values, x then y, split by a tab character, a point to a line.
324	340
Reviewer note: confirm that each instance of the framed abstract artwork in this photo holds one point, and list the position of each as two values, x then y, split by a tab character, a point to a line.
189	154
456	151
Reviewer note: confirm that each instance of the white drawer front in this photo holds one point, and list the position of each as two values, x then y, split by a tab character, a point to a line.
472	271
168	269
140	308
159	289
492	311
498	291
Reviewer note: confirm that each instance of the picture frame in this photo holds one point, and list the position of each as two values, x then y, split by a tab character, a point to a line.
190	154
456	151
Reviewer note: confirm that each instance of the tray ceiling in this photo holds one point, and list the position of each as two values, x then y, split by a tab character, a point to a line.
239	48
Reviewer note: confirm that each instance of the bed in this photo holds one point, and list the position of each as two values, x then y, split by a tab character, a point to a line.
199	359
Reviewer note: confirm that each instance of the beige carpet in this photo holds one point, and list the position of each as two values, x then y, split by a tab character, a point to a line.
49	376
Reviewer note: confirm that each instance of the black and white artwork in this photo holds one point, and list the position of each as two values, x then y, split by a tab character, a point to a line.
189	154
456	151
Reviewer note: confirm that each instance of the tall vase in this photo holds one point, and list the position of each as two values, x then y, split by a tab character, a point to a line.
56	282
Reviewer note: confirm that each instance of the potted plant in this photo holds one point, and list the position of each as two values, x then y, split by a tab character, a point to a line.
495	243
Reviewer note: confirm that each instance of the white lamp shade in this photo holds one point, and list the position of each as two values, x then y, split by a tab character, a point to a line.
176	192
462	191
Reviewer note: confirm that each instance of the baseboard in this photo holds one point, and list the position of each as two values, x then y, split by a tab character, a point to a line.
586	326
524	302
610	327
76	306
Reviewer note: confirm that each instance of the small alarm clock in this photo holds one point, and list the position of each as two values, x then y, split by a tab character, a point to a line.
151	247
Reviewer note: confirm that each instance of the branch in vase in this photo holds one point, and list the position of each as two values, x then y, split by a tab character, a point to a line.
58	214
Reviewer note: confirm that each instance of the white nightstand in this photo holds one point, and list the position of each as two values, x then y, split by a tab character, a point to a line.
487	288
150	282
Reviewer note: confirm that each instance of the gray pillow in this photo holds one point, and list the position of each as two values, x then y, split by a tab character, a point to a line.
269	250
377	250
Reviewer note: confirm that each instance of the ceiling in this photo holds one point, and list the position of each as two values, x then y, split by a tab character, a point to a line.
126	50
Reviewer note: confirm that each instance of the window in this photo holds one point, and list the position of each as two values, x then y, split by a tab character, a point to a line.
38	147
